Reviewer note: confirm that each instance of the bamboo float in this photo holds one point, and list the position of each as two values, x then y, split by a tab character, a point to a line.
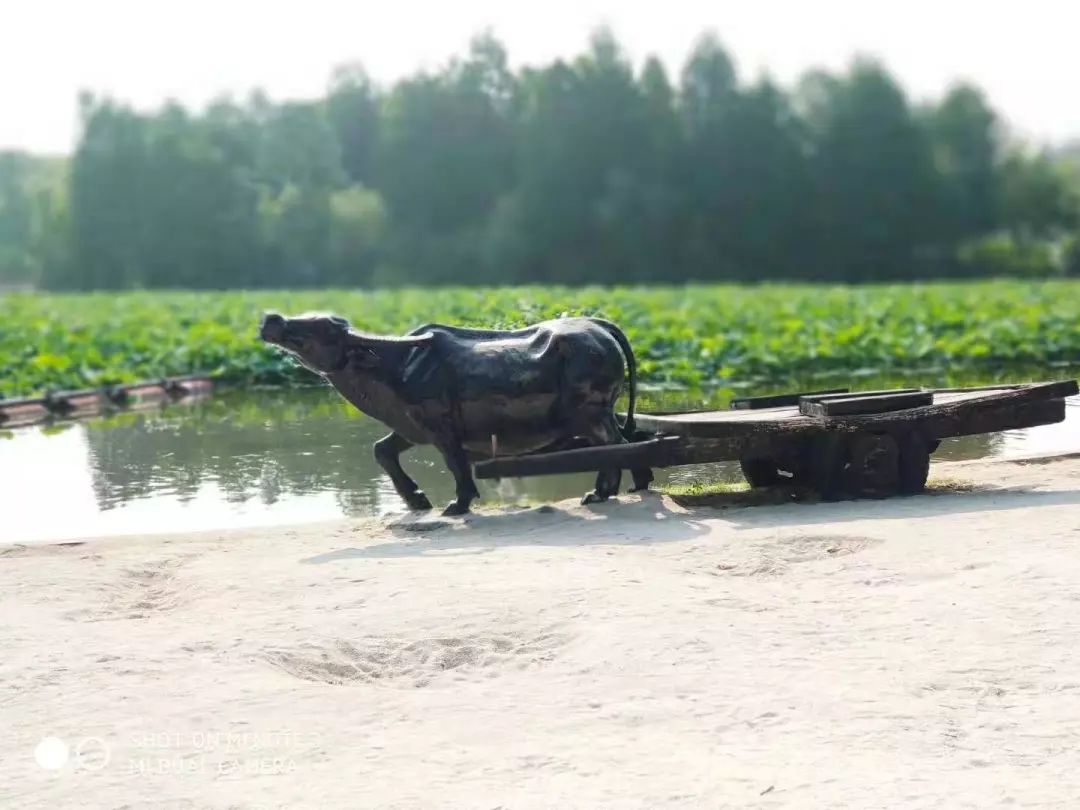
26	411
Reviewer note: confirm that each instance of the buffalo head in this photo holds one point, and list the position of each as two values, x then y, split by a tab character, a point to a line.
318	341
325	344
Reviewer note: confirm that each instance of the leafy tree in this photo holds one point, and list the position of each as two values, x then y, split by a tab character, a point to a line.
638	211
594	166
298	147
357	226
966	137
873	203
199	217
1038	200
160	201
107	197
295	230
746	169
586	170
17	262
445	156
352	107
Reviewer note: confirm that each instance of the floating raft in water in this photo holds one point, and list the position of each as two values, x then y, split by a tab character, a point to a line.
94	401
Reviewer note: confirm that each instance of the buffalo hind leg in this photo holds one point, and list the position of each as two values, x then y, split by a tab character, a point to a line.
643	476
605	431
388	452
465	487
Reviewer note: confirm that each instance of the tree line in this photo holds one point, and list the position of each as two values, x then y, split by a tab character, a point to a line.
583	171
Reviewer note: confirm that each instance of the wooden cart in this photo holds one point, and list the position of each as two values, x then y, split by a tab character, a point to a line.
868	444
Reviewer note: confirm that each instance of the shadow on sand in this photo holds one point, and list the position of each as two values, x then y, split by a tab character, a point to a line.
649	519
633	520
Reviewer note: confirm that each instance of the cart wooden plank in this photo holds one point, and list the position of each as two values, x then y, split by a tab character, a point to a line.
877	402
972	388
830	395
788	420
780	400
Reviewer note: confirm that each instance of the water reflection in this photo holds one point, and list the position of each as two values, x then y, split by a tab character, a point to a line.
271	457
250	448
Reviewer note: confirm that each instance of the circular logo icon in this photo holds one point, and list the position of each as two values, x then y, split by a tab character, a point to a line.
51	753
91	754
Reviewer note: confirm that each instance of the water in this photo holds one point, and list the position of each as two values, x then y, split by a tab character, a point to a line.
269	458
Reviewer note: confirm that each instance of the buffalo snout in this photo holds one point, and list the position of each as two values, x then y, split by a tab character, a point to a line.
272	329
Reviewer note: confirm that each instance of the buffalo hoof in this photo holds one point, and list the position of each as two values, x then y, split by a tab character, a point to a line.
593	497
418	501
455	508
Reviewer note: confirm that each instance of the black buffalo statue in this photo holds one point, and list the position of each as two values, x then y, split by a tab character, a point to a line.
475	393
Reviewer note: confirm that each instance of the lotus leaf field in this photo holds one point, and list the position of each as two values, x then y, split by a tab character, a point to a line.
693	336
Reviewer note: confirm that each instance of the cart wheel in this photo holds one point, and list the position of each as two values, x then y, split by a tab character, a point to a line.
760	472
914	463
824	465
873	469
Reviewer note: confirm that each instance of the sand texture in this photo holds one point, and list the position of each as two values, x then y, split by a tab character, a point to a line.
916	652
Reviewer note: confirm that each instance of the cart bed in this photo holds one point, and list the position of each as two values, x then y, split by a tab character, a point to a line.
816	446
699	423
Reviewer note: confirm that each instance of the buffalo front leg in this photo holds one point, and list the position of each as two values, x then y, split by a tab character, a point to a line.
465	487
388	452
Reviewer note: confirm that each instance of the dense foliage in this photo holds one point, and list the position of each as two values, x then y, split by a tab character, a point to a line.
688	336
586	171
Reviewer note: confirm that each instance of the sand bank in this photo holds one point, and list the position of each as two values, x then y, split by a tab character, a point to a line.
917	652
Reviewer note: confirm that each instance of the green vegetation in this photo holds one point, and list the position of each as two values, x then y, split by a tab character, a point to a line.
724	494
684	336
700	488
947	485
587	171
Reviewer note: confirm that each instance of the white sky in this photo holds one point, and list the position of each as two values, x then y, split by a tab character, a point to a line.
1026	55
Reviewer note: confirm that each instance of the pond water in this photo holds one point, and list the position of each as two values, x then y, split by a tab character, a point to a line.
274	457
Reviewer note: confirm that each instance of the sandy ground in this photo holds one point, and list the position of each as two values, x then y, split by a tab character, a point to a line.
917	652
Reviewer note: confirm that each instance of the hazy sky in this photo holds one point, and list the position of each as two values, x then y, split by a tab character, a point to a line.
1025	54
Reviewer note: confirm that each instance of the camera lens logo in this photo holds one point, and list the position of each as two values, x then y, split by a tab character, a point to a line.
89	754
